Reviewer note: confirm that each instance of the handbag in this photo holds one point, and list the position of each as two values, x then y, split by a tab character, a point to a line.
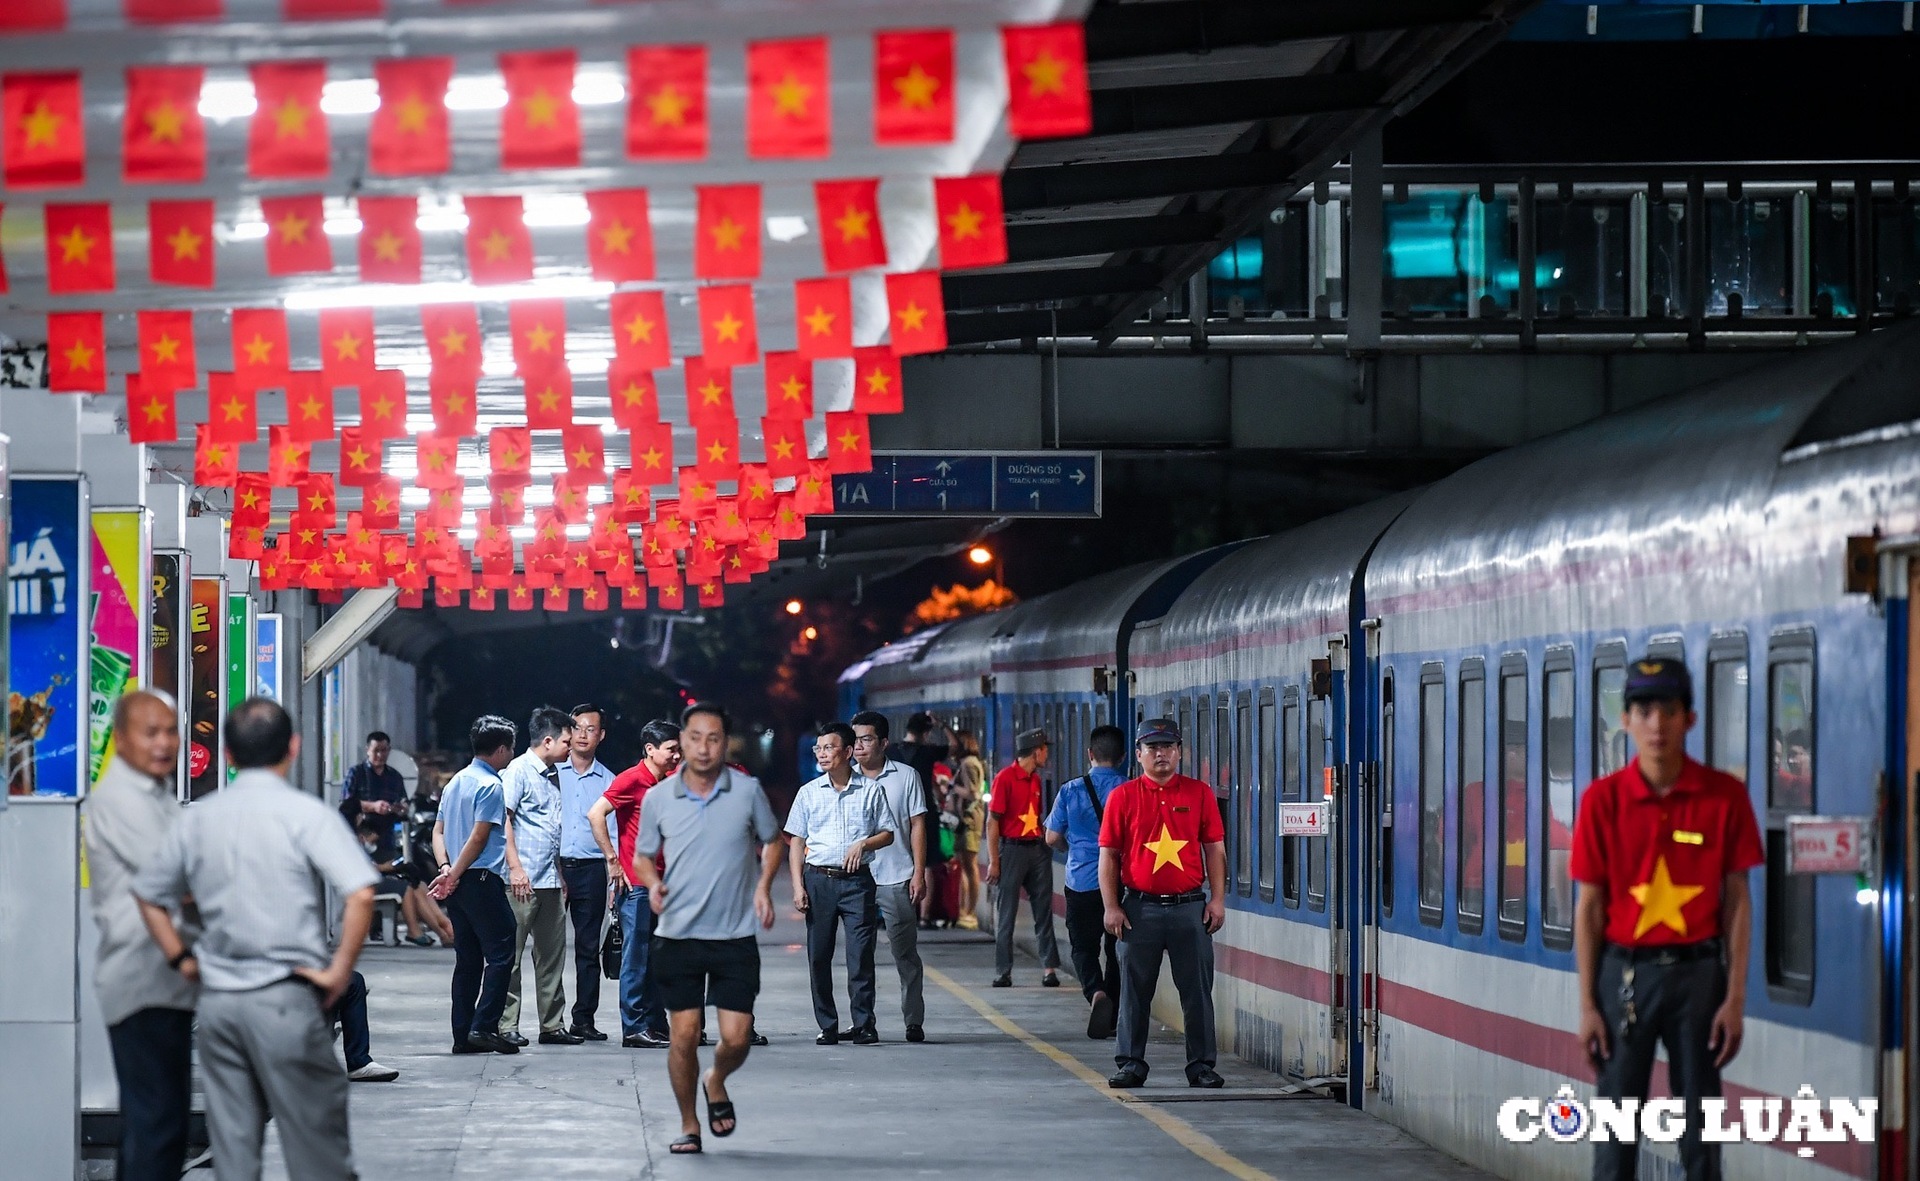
612	947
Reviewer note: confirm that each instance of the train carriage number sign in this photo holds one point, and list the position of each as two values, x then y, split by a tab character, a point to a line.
1303	820
1829	844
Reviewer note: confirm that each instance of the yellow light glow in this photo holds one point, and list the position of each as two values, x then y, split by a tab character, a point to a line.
812	633
979	555
793	606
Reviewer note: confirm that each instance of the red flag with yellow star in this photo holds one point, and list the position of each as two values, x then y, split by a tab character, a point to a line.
520	595
709	392
309	406
813	492
973	224
789	386
362	457
913	87
651	448
380	503
849	449
668	592
697	495
383	405
296	238
823	317
550	398
77	353
640	330
786	446
555	598
726	234
711	594
232	410
619	235
507	502
409	133
877	383
437	461
851	236
287	457
42	130
729	526
717	451
634	396
510	453
540	125
667	103
180	243
346	346
482	598
789	523
453	338
728	335
389	239
499	250
252	499
247	543
569	499
150	411
585	449
79	248
163	139
215	464
632	497
539	331
1047	80
789	99
756	496
593	596
166	350
455	401
259	347
917	313
288	137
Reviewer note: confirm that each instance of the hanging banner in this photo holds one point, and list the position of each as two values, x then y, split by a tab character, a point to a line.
266	656
206	701
239	656
119	539
46	591
167	645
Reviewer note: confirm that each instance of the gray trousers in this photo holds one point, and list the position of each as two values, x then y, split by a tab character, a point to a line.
1179	933
1029	868
1673	1004
903	939
832	902
544	917
268	1053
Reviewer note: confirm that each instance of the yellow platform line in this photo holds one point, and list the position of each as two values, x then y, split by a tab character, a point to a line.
1183	1133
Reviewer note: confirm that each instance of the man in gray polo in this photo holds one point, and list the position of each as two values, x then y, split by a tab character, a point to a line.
899	867
709	822
532	787
253	857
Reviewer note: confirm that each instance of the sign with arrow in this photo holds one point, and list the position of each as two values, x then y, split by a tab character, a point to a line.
973	484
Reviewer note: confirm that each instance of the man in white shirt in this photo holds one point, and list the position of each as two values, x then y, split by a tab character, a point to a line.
148	1007
533	876
899	869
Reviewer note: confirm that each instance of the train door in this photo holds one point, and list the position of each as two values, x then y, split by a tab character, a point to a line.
1901	1145
1328	749
1370	844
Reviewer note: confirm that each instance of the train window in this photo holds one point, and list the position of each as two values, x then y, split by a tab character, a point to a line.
1556	885
1727	708
1316	764
1202	765
1433	793
1513	797
1790	790
1290	789
1470	900
1265	739
1243	842
1386	790
1668	647
1610	745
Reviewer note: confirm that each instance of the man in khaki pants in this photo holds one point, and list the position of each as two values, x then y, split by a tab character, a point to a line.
533	877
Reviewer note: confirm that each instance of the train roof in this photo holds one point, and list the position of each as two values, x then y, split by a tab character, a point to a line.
901	651
1090	621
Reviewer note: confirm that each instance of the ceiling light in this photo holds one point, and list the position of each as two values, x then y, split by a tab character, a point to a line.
979	555
248	231
598	88
786	227
476	94
440	221
360	96
556	210
339	226
227	100
384	295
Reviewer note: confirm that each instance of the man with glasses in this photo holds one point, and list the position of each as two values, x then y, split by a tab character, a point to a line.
583	867
899	869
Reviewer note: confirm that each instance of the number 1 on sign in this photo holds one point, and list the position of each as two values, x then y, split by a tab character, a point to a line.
1036	501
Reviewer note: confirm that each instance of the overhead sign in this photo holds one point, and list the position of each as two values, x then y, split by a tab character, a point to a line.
1829	844
1303	820
973	484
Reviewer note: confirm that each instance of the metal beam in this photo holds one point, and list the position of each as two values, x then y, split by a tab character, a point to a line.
1030	241
352	623
1012	288
1204	104
1057	186
983	327
1117	31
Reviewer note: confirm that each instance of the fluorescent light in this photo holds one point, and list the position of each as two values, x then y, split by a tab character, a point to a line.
598	88
341	226
414	295
439	221
359	96
227	100
497	367
555	210
786	228
248	231
476	94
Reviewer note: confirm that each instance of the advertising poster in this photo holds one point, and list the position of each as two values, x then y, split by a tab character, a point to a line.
239	654
119	536
266	656
46	598
167	645
207	630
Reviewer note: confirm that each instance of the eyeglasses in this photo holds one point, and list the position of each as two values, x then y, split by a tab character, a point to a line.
867	740
823	748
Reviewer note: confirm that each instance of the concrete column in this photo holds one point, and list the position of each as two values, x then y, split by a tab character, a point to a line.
1366	246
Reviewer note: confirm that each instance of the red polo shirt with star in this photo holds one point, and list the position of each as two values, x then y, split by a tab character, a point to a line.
1663	860
625	793
1159	832
1019	802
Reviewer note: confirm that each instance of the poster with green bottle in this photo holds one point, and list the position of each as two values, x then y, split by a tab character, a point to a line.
239	652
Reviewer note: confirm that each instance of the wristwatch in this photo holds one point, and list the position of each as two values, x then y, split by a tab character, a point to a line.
185	955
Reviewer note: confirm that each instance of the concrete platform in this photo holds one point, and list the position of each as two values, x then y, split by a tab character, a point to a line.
1008	1085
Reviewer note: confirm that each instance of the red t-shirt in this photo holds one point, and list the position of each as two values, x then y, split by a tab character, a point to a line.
1159	833
1663	860
1017	801
625	793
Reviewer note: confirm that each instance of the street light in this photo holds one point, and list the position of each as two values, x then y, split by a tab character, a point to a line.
812	633
793	606
979	555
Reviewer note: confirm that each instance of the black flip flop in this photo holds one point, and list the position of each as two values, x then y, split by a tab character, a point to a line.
685	1146
718	1111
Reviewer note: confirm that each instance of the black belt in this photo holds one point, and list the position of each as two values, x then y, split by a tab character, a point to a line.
1671	953
579	861
834	871
1168	899
1023	840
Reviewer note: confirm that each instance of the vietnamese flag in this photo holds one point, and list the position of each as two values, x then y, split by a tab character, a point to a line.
555	598
287	457
640	330
316	501
813	494
917	313
727	332
508	501
729	527
42	130
510	452
437	460
619	235
77	352
453	338
726	235
389	239
667	102
180	243
150	412
296	235
973	225
540	125
288	135
79	248
383	405
789	524
1047	80
823	318
709	392
756	492
163	139
215	464
232	410
789	98
652	451
25	15
520	596
309	406
361	457
346	346
380	504
539	331
632	498
454	398
789	386
697	496
409	134
550	398
851	236
499	249
717	450
877	383
849	448
913	87
585	450
252	499
669	592
785	446
594	596
711	594
166	350
259	346
634	395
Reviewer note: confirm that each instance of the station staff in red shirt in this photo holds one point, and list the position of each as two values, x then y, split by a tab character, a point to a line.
1018	858
1160	840
643	1022
1661	849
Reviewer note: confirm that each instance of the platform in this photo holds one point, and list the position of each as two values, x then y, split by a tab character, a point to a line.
1007	1085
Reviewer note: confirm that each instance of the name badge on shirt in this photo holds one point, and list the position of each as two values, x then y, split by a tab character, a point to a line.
1181	808
1682	837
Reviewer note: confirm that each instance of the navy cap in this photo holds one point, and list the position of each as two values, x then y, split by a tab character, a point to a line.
1658	679
1029	741
1158	731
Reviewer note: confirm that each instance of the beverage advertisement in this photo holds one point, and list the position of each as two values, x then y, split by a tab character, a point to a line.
266	656
167	645
119	536
207	684
47	600
239	653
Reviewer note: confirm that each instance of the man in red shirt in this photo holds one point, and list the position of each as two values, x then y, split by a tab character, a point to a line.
1661	849
1160	840
643	1023
1018	858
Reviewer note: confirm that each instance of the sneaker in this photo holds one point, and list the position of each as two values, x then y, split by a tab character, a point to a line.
828	1037
560	1037
646	1039
373	1072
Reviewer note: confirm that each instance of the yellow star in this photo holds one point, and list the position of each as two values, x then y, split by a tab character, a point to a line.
358	456
965	222
913	317
635	496
716	452
410	115
79	355
42	127
1661	902
854	223
727	328
382	504
540	339
453	343
792	388
346	347
496	247
1166	850
386	246
734	561
617	238
639	329
728	234
436	459
155	410
710	393
510	457
541	109
916	88
293	227
259	350
819	321
651	457
700	491
633	395
234	409
1045	74
790	97
879	381
307	536
850	441
783	448
667	107
382	407
185	243
583	457
311	407
455	403
76	245
290	121
216	455
165	124
548	399
166	349
1030	818
366	567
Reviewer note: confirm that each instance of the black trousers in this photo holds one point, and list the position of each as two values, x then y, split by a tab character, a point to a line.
832	903
586	886
153	1060
1094	960
483	927
1180	935
356	1038
1673	1004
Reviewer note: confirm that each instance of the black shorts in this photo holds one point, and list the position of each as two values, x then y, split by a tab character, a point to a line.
390	886
692	973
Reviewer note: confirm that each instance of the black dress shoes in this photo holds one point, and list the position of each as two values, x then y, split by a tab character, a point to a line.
1101	1017
864	1037
1050	981
513	1038
560	1037
1003	981
828	1037
916	1034
587	1033
1121	1080
491	1043
1205	1077
646	1039
755	1037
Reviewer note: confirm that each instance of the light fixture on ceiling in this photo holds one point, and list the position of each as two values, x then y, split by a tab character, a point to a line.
557	209
227	100
786	227
363	295
476	94
356	96
337	227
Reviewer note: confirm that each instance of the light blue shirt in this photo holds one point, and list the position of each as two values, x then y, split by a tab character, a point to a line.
1073	815
475	794
832	820
533	800
899	786
577	793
